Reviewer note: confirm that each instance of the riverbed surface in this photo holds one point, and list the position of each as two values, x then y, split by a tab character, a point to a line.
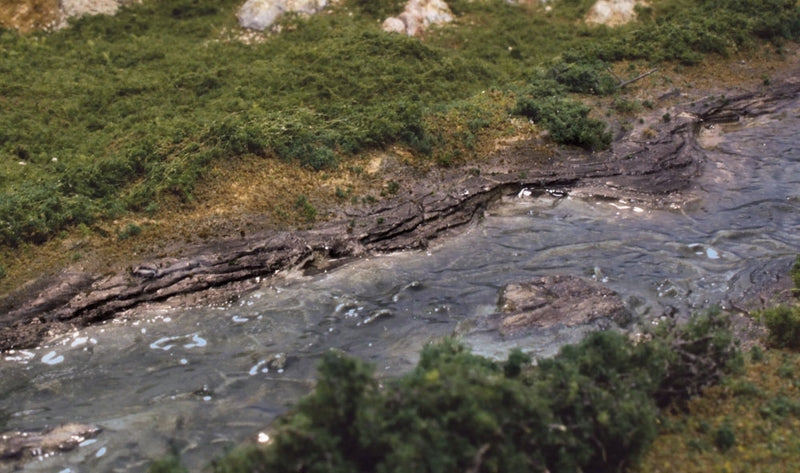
200	379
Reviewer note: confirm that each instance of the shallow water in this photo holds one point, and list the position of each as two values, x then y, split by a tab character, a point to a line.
203	378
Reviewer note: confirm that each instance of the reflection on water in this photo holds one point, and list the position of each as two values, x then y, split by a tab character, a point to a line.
203	378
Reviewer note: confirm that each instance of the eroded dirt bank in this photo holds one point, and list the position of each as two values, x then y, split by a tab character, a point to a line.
654	163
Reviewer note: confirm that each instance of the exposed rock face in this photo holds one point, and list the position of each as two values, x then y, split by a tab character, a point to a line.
418	15
551	300
612	12
261	14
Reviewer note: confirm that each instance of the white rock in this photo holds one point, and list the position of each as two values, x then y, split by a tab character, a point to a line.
261	14
418	15
612	12
77	8
70	8
394	25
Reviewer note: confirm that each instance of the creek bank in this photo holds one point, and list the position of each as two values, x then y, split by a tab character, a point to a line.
654	163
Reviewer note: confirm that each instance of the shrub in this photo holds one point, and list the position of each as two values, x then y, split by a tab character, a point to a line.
783	326
567	120
593	407
380	9
698	354
168	464
131	230
307	210
724	437
584	77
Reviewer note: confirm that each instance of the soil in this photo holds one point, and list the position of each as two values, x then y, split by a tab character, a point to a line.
237	235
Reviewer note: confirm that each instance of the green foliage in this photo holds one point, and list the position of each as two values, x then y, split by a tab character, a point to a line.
756	354
795	274
306	209
593	407
783	326
779	408
698	354
725	437
133	109
168	464
379	9
601	393
131	230
584	77
567	120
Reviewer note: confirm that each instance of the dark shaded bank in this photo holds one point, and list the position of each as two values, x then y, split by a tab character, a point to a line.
655	163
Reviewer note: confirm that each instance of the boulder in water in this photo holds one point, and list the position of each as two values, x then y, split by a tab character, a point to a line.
551	300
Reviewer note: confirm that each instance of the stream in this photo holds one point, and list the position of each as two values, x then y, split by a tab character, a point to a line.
201	379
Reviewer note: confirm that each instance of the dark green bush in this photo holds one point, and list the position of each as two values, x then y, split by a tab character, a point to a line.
306	209
168	464
593	407
783	326
585	78
698	354
380	9
131	230
725	437
567	120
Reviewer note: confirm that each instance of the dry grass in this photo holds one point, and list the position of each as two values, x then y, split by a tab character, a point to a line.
28	15
761	409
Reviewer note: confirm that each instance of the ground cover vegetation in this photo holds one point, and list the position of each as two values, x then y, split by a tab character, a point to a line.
126	114
593	407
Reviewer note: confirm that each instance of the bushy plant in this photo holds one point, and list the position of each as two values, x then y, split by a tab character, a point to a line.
168	464
783	326
567	120
698	354
584	77
380	9
725	437
593	407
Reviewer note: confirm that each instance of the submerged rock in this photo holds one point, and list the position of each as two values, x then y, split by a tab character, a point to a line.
417	16
16	445
551	300
261	14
